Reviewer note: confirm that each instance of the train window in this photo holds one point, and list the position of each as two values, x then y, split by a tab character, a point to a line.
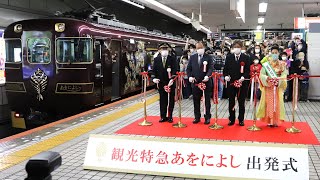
74	50
38	50
13	51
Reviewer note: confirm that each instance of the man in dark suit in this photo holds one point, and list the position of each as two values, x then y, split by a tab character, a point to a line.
199	70
233	72
165	65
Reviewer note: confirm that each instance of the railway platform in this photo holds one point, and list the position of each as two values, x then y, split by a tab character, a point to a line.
70	136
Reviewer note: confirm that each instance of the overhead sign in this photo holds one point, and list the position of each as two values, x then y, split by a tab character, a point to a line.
196	159
303	22
2	61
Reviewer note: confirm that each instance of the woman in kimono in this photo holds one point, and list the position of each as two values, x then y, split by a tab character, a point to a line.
271	108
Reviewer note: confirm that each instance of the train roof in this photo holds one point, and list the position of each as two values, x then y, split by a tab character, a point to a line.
111	25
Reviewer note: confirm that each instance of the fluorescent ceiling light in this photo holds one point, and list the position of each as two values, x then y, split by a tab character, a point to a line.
133	3
259	27
261	20
165	10
263	7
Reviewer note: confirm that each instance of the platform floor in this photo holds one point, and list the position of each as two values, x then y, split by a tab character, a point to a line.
69	137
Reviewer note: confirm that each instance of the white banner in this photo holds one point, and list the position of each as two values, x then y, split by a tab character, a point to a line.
196	159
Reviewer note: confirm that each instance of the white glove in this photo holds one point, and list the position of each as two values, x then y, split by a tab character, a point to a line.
206	79
241	79
170	82
227	78
155	80
191	79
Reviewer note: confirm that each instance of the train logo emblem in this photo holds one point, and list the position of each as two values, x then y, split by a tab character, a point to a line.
39	81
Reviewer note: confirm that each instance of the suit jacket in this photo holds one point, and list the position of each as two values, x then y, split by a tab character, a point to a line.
161	72
194	70
232	67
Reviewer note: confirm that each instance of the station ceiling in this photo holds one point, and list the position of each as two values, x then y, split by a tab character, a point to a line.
217	12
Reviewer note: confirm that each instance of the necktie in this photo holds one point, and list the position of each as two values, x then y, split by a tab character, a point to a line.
199	60
164	61
237	58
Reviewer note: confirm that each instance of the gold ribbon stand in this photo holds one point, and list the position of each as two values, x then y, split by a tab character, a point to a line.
180	86
293	129
216	126
254	126
144	81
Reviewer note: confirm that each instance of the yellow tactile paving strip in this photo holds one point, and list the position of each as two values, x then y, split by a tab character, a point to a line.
17	157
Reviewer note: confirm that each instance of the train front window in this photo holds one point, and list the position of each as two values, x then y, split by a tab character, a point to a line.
74	50
13	50
38	50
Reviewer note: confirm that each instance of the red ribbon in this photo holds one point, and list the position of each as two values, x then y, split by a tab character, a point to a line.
201	86
237	83
216	76
145	74
167	89
242	67
274	82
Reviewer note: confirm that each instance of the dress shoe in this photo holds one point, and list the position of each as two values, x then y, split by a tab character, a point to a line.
231	123
196	121
241	123
163	120
170	120
207	121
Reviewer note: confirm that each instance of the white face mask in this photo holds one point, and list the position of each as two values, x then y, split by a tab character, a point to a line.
200	51
232	51
237	50
218	53
284	58
299	47
191	50
257	50
256	61
226	52
164	53
243	51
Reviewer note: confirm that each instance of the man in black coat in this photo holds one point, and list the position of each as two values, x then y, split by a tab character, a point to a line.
199	70
233	72
165	65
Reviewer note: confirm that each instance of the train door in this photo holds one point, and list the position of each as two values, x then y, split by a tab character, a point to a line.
116	56
98	81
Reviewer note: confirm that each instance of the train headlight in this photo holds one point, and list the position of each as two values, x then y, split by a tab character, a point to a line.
60	27
18	28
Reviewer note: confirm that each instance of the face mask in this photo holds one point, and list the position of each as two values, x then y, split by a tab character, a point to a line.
164	53
257	50
299	47
226	53
237	50
200	51
256	61
275	56
284	58
243	51
191	50
232	51
218	53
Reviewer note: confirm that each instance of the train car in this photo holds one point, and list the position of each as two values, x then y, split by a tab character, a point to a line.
60	66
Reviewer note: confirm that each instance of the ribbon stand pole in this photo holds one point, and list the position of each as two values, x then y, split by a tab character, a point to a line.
254	126
293	129
180	86
216	126
144	81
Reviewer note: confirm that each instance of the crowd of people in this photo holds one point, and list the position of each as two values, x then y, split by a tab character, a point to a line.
236	63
